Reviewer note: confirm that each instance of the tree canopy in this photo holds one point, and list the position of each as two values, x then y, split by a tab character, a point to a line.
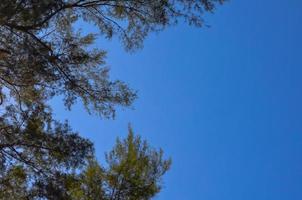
133	171
44	54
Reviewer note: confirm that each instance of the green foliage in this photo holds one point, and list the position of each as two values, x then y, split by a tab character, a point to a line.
13	184
133	171
44	55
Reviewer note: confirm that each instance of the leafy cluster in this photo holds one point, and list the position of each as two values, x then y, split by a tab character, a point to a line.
42	55
133	171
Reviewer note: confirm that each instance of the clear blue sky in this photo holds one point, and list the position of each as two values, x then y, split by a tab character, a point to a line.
224	102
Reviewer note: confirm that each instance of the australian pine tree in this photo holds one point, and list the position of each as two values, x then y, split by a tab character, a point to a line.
42	55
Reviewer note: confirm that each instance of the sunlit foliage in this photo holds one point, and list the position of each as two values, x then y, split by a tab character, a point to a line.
44	54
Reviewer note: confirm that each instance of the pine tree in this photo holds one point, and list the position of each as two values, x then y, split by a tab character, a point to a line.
43	55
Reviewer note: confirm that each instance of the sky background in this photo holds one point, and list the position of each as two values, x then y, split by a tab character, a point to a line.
224	102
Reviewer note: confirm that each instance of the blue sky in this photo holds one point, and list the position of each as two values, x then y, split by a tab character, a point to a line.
224	102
